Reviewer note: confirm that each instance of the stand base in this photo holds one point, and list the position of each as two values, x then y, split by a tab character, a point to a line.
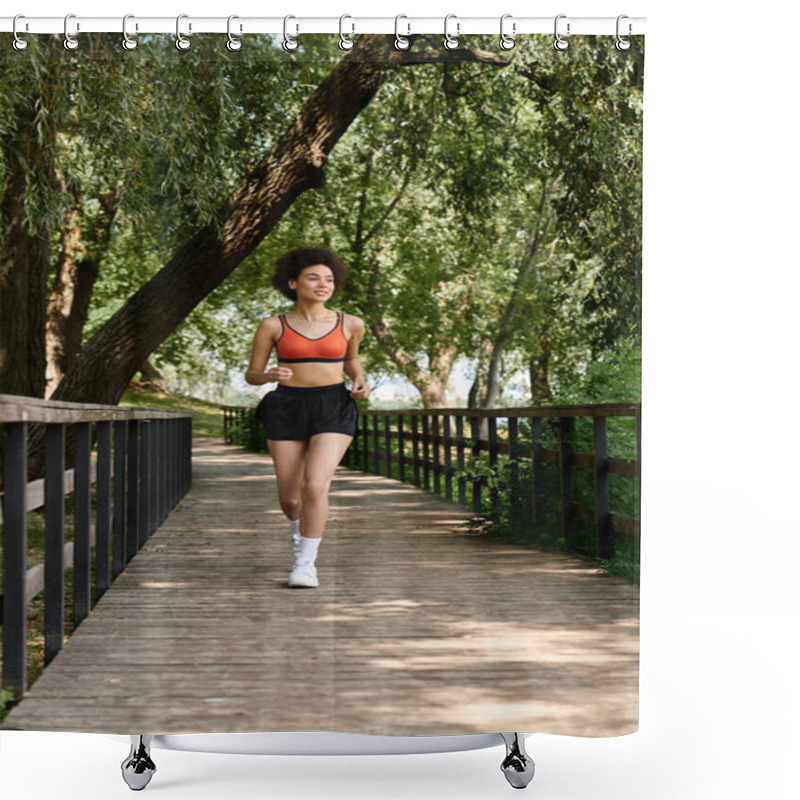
139	768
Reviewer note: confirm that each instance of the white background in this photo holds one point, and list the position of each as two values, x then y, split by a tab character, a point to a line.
719	700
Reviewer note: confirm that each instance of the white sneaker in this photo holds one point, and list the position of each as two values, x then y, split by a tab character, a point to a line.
304	576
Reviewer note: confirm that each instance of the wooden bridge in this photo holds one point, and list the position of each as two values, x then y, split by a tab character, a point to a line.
418	628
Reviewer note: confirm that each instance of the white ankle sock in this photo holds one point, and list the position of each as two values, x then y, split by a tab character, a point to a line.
294	529
308	550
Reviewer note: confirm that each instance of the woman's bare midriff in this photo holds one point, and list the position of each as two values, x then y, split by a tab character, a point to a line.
313	374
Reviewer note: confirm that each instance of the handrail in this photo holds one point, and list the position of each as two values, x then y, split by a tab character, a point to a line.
592	410
16	408
142	470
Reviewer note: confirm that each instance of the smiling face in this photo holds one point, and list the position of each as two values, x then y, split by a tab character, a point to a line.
315	283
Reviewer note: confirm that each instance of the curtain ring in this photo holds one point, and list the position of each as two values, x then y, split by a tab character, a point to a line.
18	44
345	42
622	43
401	42
181	42
451	42
128	42
560	42
289	43
233	43
70	42
507	42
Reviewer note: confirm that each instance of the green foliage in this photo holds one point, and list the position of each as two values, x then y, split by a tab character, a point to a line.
462	191
6	697
612	376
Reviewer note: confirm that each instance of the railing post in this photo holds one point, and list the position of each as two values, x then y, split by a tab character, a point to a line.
516	499
186	453
365	440
54	542
401	447
538	473
172	445
437	467
83	510
461	461
415	447
132	498
119	516
15	551
388	443
448	458
494	492
566	428
601	501
161	471
376	448
189	454
475	426
103	512
145	482
426	456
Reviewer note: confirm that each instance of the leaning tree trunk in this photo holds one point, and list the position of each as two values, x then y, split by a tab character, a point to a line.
71	295
107	363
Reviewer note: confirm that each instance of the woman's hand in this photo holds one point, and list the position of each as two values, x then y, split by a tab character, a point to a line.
359	390
279	374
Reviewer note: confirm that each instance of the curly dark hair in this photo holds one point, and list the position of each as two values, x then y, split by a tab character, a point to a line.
289	266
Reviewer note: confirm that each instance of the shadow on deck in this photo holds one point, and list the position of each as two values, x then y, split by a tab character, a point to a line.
418	628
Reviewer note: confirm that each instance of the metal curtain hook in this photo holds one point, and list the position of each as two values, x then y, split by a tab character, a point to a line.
507	42
451	42
181	42
622	43
345	42
19	44
401	42
288	42
128	42
70	42
561	43
233	43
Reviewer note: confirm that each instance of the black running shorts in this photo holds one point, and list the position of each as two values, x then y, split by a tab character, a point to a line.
292	413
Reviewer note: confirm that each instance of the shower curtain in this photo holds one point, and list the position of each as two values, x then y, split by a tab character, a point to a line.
479	570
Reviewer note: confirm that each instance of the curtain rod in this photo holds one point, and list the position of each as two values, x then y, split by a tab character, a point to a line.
349	25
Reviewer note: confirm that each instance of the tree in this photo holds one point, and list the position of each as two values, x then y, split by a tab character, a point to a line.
294	164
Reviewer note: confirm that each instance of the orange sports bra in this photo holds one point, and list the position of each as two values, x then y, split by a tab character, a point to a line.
292	347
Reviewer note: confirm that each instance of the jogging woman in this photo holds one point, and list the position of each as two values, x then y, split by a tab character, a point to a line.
310	418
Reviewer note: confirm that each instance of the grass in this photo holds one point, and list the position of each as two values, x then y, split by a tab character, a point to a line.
207	420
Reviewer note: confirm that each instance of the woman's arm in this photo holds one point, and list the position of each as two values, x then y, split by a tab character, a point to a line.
352	365
266	335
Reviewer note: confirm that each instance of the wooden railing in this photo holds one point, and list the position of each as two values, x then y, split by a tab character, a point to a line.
444	451
440	450
141	469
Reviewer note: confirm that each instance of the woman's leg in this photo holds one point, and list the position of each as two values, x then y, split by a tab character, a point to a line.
325	451
289	458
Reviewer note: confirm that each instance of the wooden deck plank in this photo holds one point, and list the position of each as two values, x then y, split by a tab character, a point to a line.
418	627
